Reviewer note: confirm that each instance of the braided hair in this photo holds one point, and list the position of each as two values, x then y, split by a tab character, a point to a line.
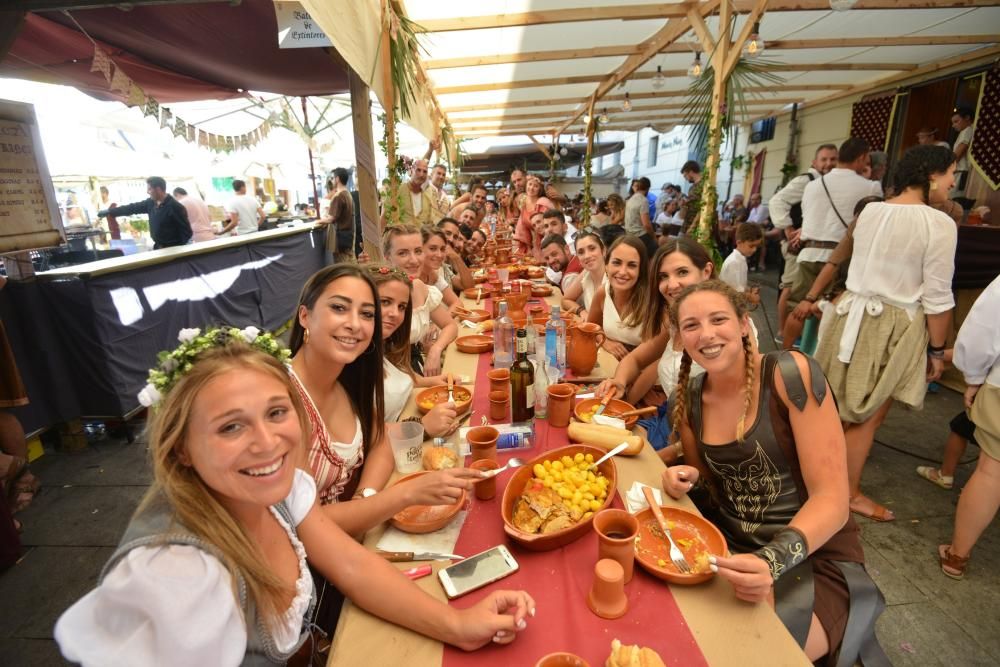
740	306
915	168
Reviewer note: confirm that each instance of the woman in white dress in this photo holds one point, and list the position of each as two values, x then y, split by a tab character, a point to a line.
622	307
888	331
394	290
678	263
580	293
404	248
212	568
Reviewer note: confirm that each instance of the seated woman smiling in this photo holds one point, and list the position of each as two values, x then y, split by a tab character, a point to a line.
212	567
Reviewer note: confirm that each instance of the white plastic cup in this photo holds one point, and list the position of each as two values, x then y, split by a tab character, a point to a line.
503	275
406	440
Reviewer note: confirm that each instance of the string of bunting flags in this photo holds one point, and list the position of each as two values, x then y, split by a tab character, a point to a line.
135	96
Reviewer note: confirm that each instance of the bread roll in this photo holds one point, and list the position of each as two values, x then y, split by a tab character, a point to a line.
439	458
632	656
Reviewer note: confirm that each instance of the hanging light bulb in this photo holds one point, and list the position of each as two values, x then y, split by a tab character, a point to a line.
563	151
659	80
627	104
842	5
603	118
695	70
754	45
586	119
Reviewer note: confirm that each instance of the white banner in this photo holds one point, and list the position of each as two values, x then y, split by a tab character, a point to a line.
296	28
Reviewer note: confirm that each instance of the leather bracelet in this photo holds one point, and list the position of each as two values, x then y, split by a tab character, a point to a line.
786	549
935	348
810	298
935	354
418	420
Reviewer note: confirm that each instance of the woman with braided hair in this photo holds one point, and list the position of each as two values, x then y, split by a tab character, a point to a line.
888	331
744	424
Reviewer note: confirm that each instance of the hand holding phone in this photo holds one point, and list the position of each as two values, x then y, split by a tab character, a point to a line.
477	571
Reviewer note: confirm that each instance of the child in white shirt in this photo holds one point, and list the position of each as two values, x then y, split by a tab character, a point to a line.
734	270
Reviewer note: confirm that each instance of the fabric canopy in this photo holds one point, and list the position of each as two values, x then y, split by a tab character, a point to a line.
175	53
501	159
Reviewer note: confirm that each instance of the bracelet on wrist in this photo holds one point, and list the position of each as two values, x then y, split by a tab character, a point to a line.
935	348
810	298
935	354
786	549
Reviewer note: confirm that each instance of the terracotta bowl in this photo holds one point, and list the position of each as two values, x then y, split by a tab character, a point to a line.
475	315
615	408
431	396
536	310
425	518
480	278
536	272
562	660
650	548
541	290
559	538
474	344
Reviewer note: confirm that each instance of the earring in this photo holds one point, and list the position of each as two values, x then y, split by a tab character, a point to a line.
305	336
933	185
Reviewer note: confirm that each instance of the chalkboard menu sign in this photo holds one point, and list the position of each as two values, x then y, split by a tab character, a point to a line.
29	214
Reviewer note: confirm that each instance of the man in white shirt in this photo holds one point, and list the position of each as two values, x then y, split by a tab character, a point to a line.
435	185
245	214
416	204
786	214
961	121
827	209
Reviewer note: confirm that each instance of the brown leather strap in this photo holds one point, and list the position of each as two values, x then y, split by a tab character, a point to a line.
826	245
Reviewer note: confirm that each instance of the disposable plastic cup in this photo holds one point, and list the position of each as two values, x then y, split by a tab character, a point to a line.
406	439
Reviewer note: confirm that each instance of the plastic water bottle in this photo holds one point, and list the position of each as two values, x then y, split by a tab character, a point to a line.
555	342
541	386
503	339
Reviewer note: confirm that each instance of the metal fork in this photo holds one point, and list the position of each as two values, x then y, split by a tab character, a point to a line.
676	555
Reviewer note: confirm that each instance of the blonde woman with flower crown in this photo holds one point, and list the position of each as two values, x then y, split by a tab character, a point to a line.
212	567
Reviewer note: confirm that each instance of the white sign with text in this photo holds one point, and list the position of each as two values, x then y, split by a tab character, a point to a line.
296	28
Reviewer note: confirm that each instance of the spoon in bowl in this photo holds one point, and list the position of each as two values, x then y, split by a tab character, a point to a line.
513	462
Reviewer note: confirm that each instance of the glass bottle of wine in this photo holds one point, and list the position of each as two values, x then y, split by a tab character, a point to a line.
522	382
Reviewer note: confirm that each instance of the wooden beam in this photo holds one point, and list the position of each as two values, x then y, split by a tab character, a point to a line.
637	109
690	47
656	11
700	30
744	34
540	17
533	126
568	101
666	35
58	5
364	152
978	54
541	147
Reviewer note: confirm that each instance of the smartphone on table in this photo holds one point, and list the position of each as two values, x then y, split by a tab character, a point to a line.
477	571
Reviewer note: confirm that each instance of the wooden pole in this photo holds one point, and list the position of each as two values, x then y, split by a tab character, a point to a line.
588	164
364	155
312	168
389	100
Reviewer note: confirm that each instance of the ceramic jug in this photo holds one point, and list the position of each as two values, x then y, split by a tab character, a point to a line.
582	341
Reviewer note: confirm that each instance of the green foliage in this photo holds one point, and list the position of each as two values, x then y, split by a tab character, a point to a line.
789	170
392	201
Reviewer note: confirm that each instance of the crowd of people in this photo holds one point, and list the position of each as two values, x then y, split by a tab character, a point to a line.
266	463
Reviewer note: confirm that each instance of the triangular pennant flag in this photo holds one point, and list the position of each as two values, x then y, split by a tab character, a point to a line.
265	128
101	63
256	137
120	81
180	128
202	138
152	108
136	97
230	143
191	133
165	116
244	143
213	141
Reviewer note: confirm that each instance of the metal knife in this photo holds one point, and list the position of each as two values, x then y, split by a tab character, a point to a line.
408	556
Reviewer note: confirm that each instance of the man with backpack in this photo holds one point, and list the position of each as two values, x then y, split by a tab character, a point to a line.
786	214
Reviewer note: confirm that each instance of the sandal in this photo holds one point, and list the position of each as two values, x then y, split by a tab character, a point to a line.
951	565
934	476
876	513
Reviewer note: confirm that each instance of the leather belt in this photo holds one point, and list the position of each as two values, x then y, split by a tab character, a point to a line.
826	245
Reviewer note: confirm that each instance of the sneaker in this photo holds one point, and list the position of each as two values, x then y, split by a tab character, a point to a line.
779	339
933	387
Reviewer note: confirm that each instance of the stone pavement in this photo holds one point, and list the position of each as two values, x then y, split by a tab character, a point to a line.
88	497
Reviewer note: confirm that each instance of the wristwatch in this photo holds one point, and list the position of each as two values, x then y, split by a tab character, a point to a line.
366	492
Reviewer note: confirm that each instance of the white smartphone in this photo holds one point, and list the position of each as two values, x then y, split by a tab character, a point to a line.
477	571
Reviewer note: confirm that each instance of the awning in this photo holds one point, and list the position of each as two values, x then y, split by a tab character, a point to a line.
517	67
501	159
180	52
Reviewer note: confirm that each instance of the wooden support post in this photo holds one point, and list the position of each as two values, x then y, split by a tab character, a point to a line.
588	164
541	147
364	156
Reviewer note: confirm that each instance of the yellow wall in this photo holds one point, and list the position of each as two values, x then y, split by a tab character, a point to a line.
829	122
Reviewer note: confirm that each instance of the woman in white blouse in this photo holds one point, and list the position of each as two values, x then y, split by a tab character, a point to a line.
622	307
886	341
394	293
212	568
580	293
432	271
404	248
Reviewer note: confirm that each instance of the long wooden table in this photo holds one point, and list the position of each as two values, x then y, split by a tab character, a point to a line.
728	631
